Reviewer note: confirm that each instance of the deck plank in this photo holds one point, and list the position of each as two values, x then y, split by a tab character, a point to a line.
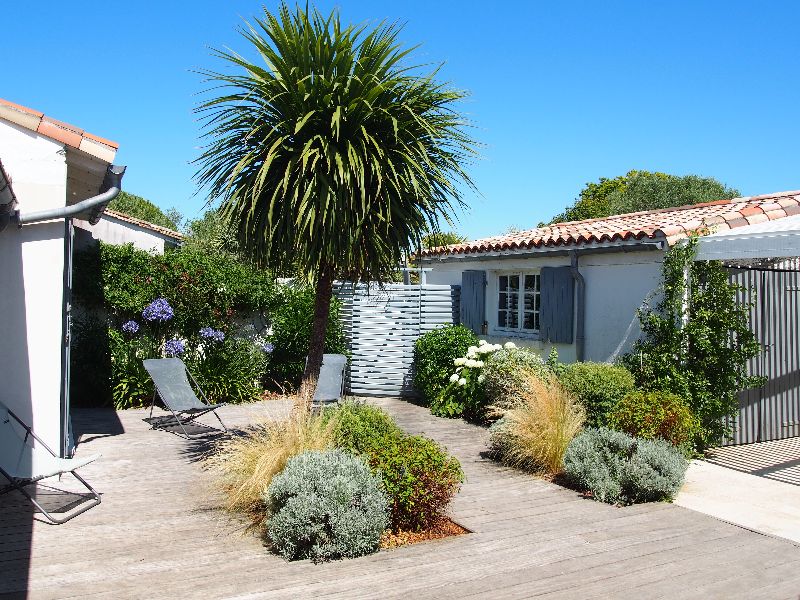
158	534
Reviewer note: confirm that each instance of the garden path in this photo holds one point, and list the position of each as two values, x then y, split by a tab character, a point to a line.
157	535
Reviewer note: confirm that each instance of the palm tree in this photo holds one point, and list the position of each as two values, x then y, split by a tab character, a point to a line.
331	152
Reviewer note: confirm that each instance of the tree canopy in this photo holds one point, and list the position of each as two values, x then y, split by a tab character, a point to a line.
332	152
642	190
442	238
141	208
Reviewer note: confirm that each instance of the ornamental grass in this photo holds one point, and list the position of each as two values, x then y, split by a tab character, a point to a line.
534	433
245	465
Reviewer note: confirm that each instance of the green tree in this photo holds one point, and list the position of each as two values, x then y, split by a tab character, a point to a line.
642	190
141	208
211	233
696	342
442	238
333	152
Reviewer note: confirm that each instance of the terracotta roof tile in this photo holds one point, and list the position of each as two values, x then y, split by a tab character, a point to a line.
670	224
65	133
146	224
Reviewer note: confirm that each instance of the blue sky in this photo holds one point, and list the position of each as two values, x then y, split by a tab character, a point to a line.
561	93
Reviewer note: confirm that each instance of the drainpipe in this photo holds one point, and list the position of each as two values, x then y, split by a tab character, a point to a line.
112	184
581	293
8	201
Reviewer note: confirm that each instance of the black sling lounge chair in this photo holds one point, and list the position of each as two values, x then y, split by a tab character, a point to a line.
23	463
171	379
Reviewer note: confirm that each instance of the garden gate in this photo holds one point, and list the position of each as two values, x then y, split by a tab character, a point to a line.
772	412
382	323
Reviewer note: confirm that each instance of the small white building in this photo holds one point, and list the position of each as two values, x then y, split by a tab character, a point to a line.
577	286
50	172
118	228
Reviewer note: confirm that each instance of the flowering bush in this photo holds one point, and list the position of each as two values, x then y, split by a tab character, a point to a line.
463	396
434	352
209	333
159	311
130	327
174	347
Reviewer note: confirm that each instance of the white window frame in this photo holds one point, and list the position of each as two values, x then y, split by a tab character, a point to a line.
519	330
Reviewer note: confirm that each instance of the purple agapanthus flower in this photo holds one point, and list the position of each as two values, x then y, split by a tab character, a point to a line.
210	333
267	347
174	347
130	327
158	310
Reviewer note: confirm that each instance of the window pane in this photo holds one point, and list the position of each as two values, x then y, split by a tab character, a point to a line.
513	282
503	283
501	318
513	301
513	319
531	283
503	303
530	302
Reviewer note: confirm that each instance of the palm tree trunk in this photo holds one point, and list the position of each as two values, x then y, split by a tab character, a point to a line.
322	306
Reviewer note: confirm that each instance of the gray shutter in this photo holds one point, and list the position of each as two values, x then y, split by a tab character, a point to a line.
557	304
473	300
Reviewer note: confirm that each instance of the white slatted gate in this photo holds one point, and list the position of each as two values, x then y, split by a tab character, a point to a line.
382	324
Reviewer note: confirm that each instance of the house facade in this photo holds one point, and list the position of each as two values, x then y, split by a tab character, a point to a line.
50	170
577	286
118	228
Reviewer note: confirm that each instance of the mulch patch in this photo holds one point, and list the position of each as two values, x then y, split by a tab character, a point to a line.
445	528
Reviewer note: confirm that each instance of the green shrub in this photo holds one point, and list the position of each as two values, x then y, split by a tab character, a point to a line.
421	479
230	371
506	375
326	505
434	353
616	467
656	415
361	428
291	320
598	386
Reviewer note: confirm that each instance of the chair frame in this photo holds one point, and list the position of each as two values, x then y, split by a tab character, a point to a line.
184	417
19	484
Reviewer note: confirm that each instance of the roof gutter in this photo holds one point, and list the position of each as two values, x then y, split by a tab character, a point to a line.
8	201
93	207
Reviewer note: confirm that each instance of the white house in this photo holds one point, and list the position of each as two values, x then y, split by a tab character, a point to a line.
118	228
51	171
578	285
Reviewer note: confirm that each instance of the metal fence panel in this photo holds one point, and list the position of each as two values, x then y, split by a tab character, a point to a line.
771	412
381	325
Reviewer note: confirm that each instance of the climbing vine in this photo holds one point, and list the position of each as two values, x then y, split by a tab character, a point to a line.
696	342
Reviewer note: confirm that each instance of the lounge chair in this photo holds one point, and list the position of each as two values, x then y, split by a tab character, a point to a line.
23	463
171	379
330	385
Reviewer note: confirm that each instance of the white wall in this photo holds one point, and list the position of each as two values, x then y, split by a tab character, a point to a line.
31	283
616	285
116	231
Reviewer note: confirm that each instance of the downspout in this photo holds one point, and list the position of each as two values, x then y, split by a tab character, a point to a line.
580	284
8	201
112	184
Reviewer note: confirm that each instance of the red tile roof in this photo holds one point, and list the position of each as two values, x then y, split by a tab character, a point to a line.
146	224
670	224
63	132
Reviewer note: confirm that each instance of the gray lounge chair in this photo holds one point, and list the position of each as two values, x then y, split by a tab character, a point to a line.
23	463
330	385
171	379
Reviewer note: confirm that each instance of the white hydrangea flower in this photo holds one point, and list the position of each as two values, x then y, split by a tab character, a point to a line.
462	381
453	377
472	349
471	364
478	364
459	361
482	343
481	378
496	347
509	345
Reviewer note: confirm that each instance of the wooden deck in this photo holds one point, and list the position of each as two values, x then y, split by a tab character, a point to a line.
157	535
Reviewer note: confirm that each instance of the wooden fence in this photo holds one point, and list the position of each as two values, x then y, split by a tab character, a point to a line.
382	324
